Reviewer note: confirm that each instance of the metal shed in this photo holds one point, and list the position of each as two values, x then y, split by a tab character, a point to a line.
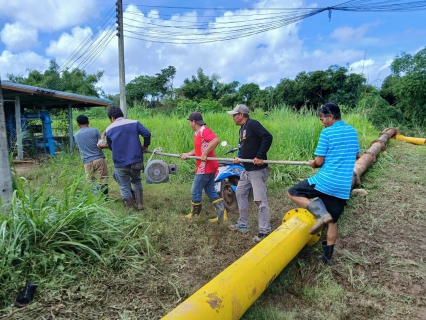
42	99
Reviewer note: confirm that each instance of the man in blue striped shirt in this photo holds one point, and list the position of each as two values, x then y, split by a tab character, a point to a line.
336	154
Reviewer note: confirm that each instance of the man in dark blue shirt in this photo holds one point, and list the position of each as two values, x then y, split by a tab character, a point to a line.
122	137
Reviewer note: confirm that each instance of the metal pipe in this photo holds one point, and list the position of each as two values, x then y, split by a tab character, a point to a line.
300	163
235	289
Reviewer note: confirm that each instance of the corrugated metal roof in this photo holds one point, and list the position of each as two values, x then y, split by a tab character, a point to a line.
31	96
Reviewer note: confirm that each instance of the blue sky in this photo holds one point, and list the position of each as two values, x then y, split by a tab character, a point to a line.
33	32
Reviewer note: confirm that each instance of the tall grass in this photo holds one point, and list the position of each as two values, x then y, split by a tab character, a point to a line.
62	228
295	136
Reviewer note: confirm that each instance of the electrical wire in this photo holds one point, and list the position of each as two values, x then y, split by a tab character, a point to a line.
183	29
88	45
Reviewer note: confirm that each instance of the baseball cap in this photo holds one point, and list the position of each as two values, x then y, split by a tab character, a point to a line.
240	108
197	117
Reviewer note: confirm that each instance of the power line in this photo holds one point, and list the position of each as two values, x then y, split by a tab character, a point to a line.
89	45
177	31
180	29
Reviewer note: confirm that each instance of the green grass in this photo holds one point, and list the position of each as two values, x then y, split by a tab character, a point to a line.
295	136
59	234
62	228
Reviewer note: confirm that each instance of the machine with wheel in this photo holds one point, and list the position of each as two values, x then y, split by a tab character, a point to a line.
226	180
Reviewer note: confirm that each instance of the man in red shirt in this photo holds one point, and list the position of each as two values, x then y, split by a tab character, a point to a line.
205	141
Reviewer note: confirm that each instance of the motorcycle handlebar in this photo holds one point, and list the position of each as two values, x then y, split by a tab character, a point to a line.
232	150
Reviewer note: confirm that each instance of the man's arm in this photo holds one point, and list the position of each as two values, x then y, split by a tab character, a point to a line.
144	132
184	155
210	147
261	132
317	162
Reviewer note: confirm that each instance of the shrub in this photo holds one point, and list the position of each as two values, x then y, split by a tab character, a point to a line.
380	113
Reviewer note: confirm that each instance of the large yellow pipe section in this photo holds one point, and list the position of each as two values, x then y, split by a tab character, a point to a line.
419	141
235	289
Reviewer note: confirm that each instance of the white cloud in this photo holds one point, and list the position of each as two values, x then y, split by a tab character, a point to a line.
21	63
19	37
348	34
263	58
49	15
67	43
359	66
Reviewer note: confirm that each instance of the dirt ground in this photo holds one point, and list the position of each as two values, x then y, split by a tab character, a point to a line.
24	167
379	269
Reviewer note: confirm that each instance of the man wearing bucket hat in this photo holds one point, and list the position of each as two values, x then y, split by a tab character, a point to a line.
205	141
254	143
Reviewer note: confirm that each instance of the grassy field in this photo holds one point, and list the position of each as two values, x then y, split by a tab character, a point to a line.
93	260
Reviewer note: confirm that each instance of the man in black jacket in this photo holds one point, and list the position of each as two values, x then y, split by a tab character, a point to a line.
254	143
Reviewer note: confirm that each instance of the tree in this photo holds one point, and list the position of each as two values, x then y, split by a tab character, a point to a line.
248	93
410	89
75	81
139	89
387	90
202	87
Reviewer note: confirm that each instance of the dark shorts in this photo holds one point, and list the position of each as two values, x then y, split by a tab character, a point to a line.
333	205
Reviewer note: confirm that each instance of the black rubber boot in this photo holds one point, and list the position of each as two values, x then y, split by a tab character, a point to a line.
328	253
139	199
26	294
318	210
104	188
222	214
195	210
129	202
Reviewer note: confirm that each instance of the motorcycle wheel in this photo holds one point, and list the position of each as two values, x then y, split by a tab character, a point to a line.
229	196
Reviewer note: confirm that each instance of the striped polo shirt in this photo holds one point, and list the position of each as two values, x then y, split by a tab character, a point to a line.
339	145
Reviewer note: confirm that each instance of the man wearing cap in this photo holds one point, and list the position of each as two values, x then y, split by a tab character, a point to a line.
205	141
254	143
336	154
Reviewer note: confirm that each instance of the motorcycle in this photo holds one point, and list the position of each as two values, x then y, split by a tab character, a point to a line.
226	180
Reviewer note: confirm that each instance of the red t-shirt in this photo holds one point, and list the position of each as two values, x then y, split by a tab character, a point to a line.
201	140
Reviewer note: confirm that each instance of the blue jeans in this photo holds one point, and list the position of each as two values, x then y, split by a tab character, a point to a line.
205	181
124	176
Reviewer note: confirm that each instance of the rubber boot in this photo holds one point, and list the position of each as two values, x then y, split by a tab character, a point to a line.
318	210
328	253
129	202
195	210
222	214
139	199
104	188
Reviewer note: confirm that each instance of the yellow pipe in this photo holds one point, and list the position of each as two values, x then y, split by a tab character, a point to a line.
235	289
419	141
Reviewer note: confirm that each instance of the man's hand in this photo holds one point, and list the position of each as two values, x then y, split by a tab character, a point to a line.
236	160
203	157
102	144
183	156
258	162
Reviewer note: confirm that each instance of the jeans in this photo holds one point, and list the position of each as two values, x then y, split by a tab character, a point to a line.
257	180
205	181
124	176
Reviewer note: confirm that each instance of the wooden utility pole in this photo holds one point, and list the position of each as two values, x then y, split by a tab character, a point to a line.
6	189
121	57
